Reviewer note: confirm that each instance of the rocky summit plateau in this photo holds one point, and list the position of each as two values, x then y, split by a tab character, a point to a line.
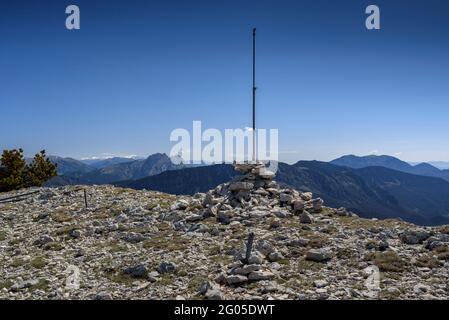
248	238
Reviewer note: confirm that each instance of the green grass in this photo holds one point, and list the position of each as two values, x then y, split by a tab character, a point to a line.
117	247
119	277
221	259
18	262
2	235
53	246
38	262
304	265
166	279
6	284
166	241
41	285
194	282
15	241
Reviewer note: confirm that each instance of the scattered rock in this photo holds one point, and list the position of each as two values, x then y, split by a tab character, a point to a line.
43	240
306	196
306	218
320	283
246	269
138	271
166	267
75	234
255	259
298	205
101	296
236	279
203	234
319	255
214	294
414	236
264	247
285	198
275	256
421	288
238	186
260	275
24	284
133	237
317	205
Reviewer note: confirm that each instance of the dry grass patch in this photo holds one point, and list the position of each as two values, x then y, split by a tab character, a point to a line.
362	223
428	261
317	241
444	229
442	252
61	216
304	265
388	261
166	241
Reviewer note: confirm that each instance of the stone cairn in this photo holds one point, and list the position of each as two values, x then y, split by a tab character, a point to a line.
250	198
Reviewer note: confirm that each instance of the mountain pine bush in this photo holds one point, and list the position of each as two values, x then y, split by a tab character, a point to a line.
15	173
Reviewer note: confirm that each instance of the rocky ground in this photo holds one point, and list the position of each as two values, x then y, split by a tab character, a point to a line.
130	244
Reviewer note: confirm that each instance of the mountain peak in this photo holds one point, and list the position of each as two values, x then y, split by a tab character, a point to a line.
423	169
357	162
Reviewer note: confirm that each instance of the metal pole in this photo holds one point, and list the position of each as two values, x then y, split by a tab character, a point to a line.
249	247
254	95
85	198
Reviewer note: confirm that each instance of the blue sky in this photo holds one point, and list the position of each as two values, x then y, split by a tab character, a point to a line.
136	70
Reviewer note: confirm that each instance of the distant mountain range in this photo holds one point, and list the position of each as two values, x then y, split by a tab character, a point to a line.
370	192
372	186
116	169
103	163
70	165
442	165
423	169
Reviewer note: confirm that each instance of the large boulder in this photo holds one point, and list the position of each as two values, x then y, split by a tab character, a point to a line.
240	185
319	255
414	236
305	218
138	271
236	279
166	267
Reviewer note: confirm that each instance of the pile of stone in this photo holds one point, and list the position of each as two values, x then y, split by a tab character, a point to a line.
252	195
249	198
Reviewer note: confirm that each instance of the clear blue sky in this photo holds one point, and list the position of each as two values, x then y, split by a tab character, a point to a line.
138	69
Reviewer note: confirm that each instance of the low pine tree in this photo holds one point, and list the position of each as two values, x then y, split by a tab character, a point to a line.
16	174
40	170
13	170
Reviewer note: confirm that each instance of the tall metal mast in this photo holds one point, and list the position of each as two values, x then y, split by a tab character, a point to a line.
254	95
